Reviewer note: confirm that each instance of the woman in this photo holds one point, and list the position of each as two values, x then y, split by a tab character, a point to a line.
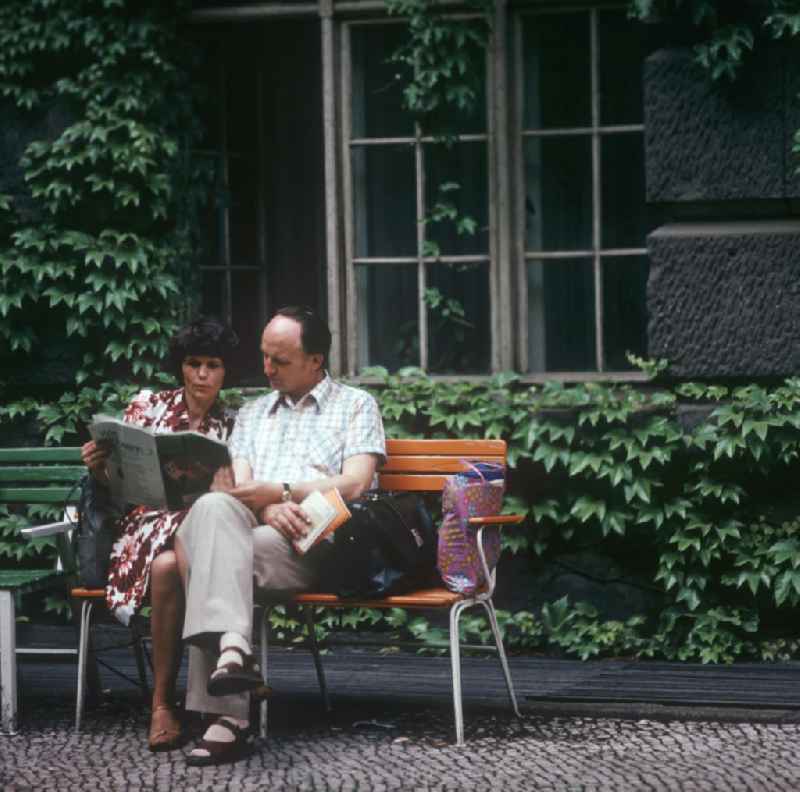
143	556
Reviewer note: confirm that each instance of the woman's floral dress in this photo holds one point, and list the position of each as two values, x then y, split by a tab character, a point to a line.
144	532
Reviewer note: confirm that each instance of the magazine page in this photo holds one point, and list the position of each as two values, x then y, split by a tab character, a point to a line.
133	470
188	462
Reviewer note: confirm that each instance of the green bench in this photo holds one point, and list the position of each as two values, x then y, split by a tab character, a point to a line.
30	477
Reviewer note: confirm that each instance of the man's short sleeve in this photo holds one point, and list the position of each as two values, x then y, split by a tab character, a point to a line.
365	429
240	443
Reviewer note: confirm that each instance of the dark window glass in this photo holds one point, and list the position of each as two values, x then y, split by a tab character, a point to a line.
624	310
457	299
558	193
557	80
243	184
388	294
627	219
377	94
462	167
561	316
384	201
623	45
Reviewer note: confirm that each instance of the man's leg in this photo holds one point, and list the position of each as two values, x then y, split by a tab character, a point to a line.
215	553
279	572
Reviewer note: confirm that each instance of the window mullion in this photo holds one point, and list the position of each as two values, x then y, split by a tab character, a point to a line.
264	306
520	192
501	304
419	160
597	207
332	240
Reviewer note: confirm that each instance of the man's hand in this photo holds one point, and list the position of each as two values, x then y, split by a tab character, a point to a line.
288	518
94	456
256	495
223	480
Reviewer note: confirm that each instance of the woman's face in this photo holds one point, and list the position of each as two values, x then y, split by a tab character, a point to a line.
203	377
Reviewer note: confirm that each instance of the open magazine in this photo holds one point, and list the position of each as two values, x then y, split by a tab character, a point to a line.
327	511
169	470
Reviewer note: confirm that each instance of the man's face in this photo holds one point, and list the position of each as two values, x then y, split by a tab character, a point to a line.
289	369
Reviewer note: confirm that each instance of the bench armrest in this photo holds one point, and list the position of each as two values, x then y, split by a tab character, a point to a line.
498	519
50	529
62	531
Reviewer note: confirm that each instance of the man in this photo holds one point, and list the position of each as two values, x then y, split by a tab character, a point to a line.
310	433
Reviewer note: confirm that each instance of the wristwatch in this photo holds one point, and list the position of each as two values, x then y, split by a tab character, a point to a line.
286	495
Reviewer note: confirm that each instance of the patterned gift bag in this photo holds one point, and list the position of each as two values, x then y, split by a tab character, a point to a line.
477	492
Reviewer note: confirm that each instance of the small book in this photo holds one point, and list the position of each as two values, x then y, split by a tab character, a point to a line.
327	511
162	470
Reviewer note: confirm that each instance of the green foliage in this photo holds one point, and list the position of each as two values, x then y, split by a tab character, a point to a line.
695	481
698	500
730	29
441	65
98	244
441	62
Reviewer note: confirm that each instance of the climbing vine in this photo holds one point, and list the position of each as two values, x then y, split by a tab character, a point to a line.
96	220
729	31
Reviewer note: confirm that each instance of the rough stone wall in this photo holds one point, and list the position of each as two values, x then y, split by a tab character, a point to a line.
723	287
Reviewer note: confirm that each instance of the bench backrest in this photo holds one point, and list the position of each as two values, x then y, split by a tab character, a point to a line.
47	475
424	465
40	475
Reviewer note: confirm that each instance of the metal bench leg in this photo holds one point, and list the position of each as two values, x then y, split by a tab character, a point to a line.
455	663
308	612
8	664
501	654
262	709
83	652
138	653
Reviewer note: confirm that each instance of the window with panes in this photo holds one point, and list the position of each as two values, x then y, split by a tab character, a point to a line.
412	277
581	214
549	169
579	267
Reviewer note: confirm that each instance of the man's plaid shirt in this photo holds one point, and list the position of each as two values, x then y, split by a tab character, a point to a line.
283	441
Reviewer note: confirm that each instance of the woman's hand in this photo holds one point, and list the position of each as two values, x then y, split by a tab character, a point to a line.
223	480
94	456
287	518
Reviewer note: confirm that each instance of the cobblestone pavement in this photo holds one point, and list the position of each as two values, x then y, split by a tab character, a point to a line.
369	746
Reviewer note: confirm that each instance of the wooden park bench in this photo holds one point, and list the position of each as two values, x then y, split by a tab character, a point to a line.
42	477
421	466
30	476
412	465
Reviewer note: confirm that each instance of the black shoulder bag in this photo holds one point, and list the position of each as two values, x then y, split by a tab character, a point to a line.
95	532
388	546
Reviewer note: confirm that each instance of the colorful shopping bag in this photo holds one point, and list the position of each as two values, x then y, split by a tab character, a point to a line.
477	492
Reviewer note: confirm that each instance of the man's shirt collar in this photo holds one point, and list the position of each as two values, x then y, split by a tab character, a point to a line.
318	395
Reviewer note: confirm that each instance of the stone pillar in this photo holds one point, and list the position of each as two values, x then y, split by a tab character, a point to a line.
722	295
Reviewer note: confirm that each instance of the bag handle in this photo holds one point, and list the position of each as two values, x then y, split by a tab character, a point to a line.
472	466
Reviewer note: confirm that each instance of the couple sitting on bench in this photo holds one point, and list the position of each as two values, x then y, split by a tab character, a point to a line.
202	564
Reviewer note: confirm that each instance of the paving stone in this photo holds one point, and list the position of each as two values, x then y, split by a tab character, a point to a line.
539	752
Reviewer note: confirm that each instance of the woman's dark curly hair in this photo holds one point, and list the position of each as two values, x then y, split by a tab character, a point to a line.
205	335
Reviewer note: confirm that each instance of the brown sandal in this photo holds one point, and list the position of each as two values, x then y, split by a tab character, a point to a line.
217	752
164	739
234	677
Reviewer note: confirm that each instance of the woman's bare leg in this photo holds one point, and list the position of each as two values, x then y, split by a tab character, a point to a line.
166	624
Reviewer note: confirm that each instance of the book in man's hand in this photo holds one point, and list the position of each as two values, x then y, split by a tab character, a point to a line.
327	511
167	470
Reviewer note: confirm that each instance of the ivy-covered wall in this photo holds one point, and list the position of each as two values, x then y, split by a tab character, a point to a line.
97	188
661	519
